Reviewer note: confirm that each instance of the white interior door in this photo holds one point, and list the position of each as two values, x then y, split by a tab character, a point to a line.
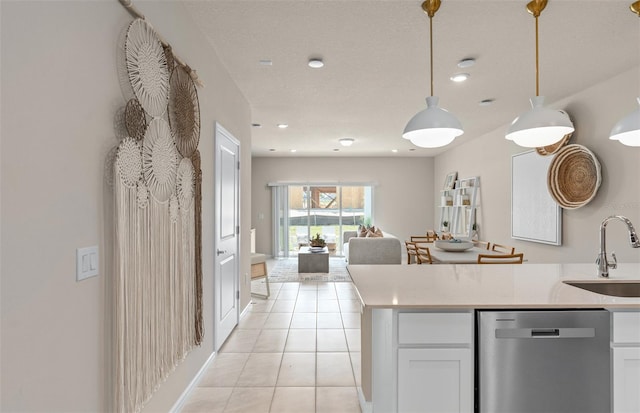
227	190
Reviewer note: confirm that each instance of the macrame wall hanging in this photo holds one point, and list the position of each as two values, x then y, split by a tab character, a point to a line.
157	196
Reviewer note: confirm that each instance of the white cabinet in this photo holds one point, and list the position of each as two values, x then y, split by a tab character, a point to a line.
458	207
435	380
626	362
422	361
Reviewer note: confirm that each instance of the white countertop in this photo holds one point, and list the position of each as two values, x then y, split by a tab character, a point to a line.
487	286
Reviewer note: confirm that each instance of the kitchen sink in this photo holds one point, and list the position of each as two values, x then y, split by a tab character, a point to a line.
613	288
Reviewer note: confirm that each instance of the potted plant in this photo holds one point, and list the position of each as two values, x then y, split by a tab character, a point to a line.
317	241
445	226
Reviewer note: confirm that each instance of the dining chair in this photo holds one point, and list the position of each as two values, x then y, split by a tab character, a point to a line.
411	251
503	249
423	255
432	234
421	238
501	258
486	245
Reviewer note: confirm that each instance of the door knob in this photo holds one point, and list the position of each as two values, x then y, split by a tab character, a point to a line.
220	252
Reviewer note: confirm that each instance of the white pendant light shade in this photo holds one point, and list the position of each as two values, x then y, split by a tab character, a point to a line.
432	127
627	130
539	126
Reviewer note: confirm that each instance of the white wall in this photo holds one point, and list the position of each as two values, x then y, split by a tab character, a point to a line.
403	191
594	111
60	93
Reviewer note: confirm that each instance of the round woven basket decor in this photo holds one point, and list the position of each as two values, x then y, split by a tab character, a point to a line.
574	176
551	149
168	54
147	67
185	184
119	127
159	160
184	111
129	162
134	119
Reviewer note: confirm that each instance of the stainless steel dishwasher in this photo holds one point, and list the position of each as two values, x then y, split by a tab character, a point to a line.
543	361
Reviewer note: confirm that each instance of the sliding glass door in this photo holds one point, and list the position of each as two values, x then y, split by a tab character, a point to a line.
298	217
356	208
307	211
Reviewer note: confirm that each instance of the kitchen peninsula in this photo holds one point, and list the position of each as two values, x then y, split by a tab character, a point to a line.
426	313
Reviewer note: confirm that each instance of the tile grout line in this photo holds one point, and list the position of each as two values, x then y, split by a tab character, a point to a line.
298	297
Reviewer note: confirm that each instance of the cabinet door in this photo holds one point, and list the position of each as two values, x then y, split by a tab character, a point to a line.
626	380
435	380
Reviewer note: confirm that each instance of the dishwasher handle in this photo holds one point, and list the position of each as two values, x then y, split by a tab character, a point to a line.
542	333
545	332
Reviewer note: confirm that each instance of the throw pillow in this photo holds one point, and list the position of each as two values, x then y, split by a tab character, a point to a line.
374	234
362	231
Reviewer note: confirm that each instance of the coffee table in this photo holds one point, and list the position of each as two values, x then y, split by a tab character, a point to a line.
313	261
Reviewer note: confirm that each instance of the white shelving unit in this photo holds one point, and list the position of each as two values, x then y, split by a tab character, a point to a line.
458	207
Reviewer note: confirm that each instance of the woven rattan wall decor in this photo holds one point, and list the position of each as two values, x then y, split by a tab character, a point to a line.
184	111
574	176
135	119
156	176
147	67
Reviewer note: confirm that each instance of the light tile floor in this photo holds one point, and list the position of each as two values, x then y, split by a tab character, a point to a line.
298	351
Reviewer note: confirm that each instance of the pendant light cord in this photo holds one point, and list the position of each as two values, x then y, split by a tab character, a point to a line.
431	50
535	7
537	61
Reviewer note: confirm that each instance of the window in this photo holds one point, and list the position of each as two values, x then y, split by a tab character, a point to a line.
302	211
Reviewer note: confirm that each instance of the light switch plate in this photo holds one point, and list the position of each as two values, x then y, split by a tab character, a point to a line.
87	262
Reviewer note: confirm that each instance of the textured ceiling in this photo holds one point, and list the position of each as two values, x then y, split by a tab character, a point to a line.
376	73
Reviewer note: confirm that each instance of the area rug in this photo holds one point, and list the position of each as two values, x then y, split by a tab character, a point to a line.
286	270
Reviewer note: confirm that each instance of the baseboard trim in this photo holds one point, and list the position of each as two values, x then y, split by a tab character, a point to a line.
365	406
245	311
179	404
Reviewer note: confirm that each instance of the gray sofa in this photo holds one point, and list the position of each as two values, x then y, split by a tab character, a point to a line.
363	250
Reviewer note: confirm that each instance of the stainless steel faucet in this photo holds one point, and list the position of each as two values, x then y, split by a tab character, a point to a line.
601	261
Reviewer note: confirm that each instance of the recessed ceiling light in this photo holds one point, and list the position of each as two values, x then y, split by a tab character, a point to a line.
283	125
466	63
394	150
272	150
256	125
336	149
485	102
294	150
412	149
460	77
346	141
265	62
316	63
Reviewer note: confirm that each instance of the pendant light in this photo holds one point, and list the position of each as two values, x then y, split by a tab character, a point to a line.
627	130
539	126
432	127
